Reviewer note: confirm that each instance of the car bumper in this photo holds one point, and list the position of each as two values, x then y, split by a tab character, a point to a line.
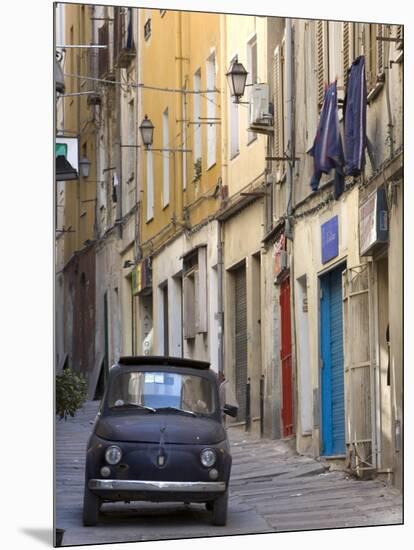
125	485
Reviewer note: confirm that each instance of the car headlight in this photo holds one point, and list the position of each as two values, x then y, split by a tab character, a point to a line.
208	457
113	454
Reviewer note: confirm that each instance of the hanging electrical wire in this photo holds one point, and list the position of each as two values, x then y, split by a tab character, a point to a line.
143	86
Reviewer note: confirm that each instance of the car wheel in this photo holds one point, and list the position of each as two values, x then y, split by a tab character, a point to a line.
91	505
220	509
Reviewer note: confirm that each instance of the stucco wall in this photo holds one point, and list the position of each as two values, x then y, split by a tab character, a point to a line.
308	261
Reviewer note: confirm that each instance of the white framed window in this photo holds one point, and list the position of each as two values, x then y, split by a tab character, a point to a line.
150	186
234	122
251	79
211	110
166	159
196	116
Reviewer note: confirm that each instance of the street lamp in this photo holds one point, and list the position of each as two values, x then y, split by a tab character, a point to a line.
85	165
147	132
236	79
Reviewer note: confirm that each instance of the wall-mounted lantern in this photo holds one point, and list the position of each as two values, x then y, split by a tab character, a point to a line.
236	79
85	165
147	132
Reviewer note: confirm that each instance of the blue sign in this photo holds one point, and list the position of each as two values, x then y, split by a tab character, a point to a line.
330	239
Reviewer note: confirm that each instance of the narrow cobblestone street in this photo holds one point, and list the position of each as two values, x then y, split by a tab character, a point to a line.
272	489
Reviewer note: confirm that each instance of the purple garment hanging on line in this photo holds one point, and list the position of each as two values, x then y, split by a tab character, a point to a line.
327	148
355	118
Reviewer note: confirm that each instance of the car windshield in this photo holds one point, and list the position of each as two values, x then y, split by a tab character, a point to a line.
146	391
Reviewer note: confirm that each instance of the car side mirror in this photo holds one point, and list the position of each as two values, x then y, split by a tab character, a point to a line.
231	410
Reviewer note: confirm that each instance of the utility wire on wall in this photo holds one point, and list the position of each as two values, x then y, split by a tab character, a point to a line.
144	86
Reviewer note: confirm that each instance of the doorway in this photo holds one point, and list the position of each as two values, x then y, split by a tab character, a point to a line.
332	363
286	358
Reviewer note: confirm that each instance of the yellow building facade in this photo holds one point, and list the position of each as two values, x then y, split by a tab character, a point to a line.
181	181
75	200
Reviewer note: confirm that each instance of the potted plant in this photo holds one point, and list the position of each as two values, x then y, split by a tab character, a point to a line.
71	392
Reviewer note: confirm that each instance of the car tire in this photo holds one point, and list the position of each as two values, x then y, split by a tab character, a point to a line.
91	505
220	509
209	505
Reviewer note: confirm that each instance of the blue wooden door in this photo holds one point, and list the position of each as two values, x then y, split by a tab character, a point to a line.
332	364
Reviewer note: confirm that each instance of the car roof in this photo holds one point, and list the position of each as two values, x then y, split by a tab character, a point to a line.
160	360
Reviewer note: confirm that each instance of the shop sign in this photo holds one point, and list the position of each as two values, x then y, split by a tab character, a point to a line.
330	239
136	280
142	277
68	147
373	222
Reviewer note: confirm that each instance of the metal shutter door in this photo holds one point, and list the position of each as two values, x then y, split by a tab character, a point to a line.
332	376
337	364
241	340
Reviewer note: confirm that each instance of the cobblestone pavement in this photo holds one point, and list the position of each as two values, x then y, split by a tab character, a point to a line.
272	489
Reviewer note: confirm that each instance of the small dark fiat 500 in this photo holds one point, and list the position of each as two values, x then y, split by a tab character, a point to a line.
159	436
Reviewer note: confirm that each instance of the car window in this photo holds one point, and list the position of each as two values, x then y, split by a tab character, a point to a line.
162	389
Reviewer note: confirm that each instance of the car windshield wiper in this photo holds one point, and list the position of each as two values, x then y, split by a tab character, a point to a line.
192	413
144	407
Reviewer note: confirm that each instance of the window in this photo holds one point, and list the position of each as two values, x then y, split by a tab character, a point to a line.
211	110
234	122
140	389
147	29
166	160
195	292
373	51
251	79
150	186
196	115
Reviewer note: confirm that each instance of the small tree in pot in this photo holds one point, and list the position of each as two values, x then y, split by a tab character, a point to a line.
71	392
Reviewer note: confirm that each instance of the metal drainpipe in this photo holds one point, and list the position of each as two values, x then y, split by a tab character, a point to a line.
135	27
220	243
387	90
220	300
118	164
289	124
289	209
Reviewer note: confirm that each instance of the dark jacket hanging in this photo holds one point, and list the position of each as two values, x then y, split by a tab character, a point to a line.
327	148
355	118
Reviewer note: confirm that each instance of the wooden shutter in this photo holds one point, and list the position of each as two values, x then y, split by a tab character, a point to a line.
400	37
359	369
347	48
379	49
321	59
369	50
